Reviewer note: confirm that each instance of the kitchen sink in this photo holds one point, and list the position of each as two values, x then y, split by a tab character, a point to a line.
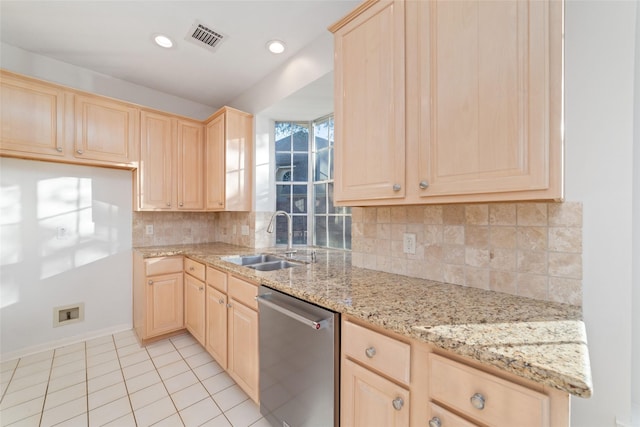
261	262
273	265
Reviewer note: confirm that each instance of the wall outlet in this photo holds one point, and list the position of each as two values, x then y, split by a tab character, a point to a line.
244	230
409	243
149	229
68	314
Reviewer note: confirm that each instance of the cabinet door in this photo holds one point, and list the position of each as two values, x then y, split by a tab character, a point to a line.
32	117
368	399
155	173
105	130
216	330
214	151
369	105
190	173
238	160
165	304
243	347
194	307
490	74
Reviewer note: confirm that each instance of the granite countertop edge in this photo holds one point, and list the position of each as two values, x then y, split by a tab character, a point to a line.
549	348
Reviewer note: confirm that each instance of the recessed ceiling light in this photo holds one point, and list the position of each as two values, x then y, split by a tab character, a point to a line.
275	46
163	41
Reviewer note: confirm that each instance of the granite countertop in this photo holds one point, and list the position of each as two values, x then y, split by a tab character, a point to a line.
538	340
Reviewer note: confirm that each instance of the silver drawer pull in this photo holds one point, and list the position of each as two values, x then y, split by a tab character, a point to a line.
478	401
424	184
220	301
435	422
150	282
398	403
59	149
397	187
370	352
79	151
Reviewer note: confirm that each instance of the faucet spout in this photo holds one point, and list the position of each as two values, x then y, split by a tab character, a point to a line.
289	229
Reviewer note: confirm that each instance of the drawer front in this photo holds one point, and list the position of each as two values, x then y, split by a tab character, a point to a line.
194	268
244	292
217	279
163	265
378	351
446	418
484	397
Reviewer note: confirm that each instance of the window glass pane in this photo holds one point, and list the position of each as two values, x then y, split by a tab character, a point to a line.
301	138
321	134
299	230
281	230
330	207
299	199
283	198
283	166
283	144
300	167
330	124
347	231
320	195
322	165
336	227
331	163
321	230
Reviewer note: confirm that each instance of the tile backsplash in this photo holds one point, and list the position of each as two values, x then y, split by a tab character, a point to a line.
171	228
528	249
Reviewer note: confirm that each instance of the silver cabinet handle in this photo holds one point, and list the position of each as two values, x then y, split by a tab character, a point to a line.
220	301
201	288
397	187
191	268
150	282
398	403
424	184
220	204
181	204
59	149
370	352
435	422
79	151
169	204
478	401
228	305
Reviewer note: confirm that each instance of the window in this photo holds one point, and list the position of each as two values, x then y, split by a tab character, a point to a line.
304	185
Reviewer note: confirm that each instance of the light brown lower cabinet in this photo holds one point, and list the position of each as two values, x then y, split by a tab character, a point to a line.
391	380
158	296
194	299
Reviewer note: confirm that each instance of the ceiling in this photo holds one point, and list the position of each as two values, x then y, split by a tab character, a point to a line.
115	38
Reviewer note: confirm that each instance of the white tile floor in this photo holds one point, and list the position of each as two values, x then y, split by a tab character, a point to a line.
113	381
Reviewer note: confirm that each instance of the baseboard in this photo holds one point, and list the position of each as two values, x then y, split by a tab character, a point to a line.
51	345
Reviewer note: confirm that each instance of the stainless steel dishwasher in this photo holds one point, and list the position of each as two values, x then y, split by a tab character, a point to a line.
299	361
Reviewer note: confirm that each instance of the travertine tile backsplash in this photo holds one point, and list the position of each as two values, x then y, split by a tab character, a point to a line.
527	249
171	228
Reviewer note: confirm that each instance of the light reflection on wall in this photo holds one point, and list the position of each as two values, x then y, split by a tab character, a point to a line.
10	248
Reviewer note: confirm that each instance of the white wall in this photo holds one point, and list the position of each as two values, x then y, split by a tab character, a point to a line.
44	68
91	264
599	79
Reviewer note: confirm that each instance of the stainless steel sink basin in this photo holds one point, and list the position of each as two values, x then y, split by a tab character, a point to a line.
261	262
273	265
251	259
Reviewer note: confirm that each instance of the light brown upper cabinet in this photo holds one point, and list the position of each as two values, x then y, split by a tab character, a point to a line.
106	130
171	171
32	116
478	116
228	151
45	121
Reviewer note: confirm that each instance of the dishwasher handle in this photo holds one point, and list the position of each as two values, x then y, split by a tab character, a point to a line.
314	324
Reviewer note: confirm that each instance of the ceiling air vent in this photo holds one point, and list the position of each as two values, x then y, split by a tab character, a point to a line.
204	36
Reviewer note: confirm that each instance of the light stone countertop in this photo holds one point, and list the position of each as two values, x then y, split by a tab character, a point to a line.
538	340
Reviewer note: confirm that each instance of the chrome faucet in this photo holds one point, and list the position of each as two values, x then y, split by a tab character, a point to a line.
290	251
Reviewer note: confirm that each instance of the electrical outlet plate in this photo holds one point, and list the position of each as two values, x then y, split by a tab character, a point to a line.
149	229
409	243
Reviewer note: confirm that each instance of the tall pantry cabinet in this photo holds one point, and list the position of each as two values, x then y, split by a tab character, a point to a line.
470	112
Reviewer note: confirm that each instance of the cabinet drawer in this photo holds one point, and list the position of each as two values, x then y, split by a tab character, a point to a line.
447	419
163	265
217	279
243	292
194	268
484	397
378	351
